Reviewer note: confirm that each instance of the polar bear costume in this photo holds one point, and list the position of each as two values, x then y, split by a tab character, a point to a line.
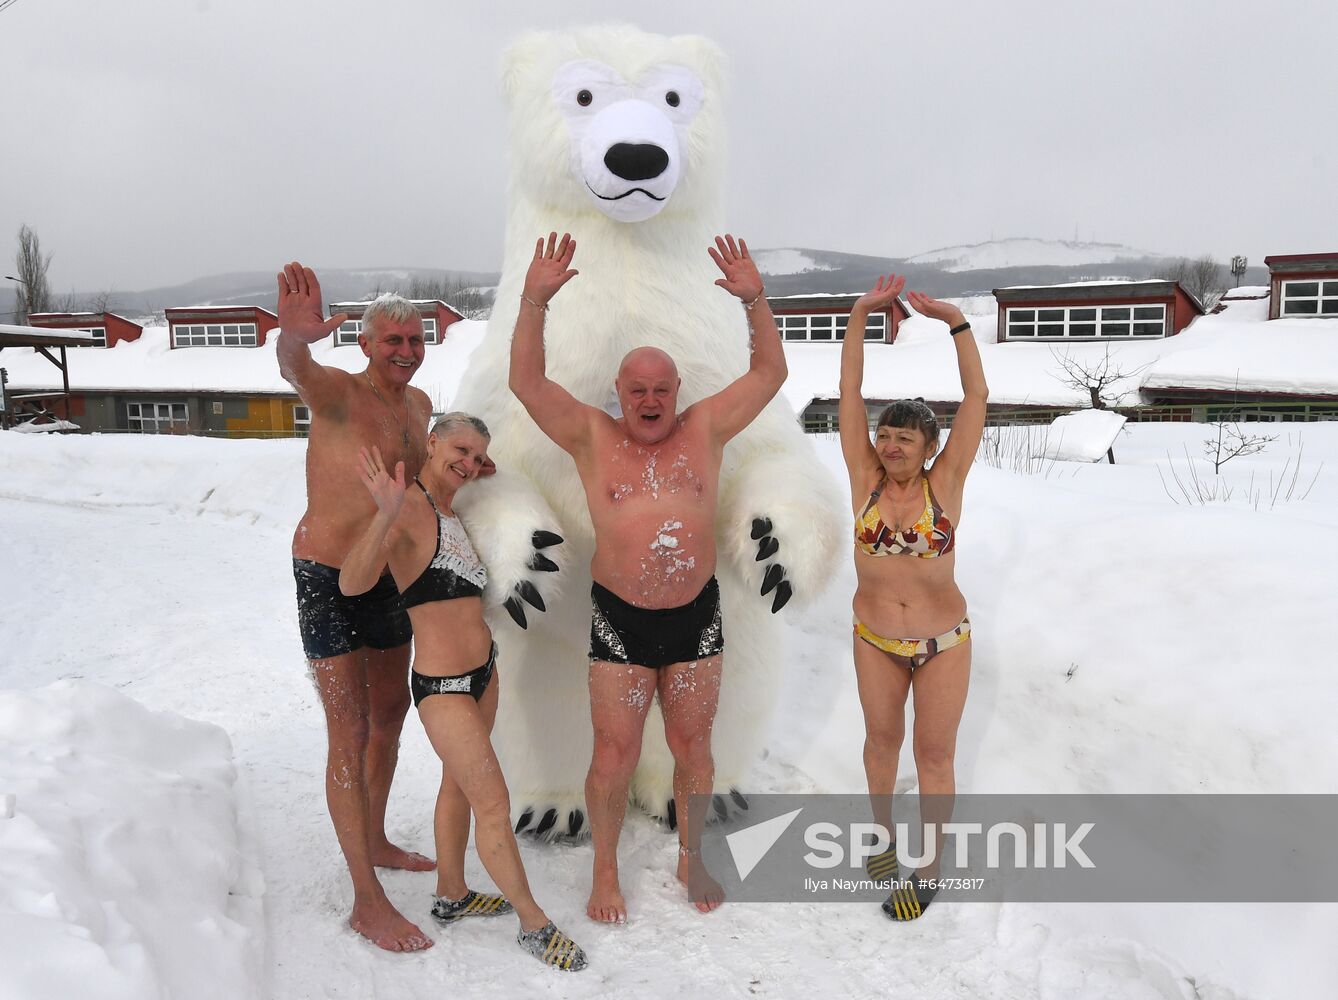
617	138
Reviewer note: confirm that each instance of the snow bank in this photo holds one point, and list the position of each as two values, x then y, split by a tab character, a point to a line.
1109	655
1082	436
121	874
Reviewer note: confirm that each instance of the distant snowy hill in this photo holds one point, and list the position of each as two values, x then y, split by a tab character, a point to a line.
1026	252
965	270
787	261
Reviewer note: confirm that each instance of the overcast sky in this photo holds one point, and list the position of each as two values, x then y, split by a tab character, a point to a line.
149	142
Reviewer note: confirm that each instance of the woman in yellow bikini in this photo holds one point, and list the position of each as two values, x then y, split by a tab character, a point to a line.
911	632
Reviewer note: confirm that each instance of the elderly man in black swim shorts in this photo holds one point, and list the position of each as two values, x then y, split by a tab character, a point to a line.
651	479
358	647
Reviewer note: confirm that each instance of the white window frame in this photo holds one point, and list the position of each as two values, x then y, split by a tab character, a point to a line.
800	327
157	417
1325	297
301	420
820	422
99	335
1104	321
348	332
224	334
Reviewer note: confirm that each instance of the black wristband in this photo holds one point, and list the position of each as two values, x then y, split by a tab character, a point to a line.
959	328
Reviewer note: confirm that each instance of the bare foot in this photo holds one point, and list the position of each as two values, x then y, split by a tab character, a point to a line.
384	926
704	891
606	900
390	856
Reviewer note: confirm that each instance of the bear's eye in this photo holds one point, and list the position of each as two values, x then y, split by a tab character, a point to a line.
671	99
584	97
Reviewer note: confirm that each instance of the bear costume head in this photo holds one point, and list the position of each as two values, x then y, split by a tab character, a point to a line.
629	136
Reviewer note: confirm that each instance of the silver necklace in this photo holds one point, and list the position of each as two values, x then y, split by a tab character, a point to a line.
403	424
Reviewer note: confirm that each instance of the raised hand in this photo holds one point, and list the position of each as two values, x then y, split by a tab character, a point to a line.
550	269
301	311
882	294
741	277
934	309
388	492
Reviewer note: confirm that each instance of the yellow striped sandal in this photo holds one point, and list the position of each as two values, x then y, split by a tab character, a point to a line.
550	946
882	867
908	900
471	904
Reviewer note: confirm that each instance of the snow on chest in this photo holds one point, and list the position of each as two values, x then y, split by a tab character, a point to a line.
636	472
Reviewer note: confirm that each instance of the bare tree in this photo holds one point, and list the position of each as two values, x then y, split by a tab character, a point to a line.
1204	278
470	301
34	291
1101	380
1231	441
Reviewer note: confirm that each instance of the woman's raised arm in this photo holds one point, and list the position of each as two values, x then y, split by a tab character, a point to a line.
861	460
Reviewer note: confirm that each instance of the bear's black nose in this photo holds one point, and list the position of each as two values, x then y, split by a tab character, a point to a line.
638	161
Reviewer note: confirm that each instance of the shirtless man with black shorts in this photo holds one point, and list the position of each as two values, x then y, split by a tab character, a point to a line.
651	478
358	647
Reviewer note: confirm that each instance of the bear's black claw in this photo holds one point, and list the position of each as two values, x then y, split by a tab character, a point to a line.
546	823
542	563
531	594
542	539
516	610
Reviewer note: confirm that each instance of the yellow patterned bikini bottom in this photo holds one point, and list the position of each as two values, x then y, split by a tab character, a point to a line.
912	653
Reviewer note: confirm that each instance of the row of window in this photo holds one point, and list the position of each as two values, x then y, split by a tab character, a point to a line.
825	326
157	418
1086	321
348	331
170	418
99	334
1310	298
214	335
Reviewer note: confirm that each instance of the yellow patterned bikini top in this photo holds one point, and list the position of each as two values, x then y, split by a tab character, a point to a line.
930	536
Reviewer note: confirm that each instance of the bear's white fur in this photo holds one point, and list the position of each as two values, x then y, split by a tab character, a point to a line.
645	279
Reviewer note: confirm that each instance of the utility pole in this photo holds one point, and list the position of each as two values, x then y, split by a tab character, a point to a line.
1238	265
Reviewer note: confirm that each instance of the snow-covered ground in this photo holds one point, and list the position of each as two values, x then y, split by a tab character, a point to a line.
163	746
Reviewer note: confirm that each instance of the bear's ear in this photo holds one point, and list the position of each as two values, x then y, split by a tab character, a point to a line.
705	57
521	60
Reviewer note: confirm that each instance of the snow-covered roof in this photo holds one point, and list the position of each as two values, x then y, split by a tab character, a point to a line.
1293	356
219	309
27	334
148	364
1284	356
1093	283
